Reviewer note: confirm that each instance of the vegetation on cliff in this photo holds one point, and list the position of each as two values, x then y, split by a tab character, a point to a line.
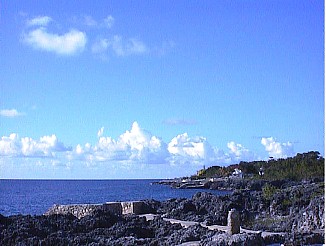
300	167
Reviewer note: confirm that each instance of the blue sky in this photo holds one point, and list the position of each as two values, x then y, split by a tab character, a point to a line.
140	89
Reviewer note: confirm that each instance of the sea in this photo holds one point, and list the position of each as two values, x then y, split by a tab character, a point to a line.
35	197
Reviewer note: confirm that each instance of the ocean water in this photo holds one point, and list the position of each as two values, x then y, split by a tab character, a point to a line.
37	196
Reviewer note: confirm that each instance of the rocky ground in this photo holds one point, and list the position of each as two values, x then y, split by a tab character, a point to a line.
296	209
104	229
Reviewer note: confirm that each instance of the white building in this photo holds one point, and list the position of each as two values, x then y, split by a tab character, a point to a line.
237	173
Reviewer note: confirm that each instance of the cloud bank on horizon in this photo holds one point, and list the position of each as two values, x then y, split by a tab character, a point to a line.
137	147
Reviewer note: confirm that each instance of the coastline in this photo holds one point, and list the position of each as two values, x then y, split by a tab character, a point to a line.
34	197
300	219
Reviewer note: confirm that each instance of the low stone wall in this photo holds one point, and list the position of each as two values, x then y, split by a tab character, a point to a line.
134	207
81	210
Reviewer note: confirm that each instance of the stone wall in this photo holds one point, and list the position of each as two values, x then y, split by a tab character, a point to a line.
135	207
81	210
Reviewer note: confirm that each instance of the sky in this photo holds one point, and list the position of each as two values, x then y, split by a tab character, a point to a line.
157	89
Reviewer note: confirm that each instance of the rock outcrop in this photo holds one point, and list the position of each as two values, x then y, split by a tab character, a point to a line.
312	217
119	208
298	211
82	210
295	209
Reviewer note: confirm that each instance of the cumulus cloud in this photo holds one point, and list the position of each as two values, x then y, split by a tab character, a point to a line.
193	151
65	44
10	146
198	150
239	152
39	37
120	46
196	147
46	146
39	21
136	145
277	149
10	113
135	148
100	132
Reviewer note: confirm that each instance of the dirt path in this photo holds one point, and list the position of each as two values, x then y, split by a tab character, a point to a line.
212	227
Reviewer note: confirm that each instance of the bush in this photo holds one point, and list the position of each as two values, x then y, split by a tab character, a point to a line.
269	191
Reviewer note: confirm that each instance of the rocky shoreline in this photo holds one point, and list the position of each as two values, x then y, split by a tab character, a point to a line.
229	183
295	210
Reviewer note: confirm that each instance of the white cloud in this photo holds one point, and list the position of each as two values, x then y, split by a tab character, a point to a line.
120	46
38	34
276	149
89	21
10	113
100	132
39	21
109	21
10	146
199	151
66	44
47	146
143	145
100	46
136	149
192	151
239	152
136	145
196	147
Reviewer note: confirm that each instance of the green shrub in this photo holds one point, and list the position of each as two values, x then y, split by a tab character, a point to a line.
286	203
269	191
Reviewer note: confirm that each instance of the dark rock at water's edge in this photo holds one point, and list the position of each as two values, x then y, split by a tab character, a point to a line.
98	229
107	229
295	210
